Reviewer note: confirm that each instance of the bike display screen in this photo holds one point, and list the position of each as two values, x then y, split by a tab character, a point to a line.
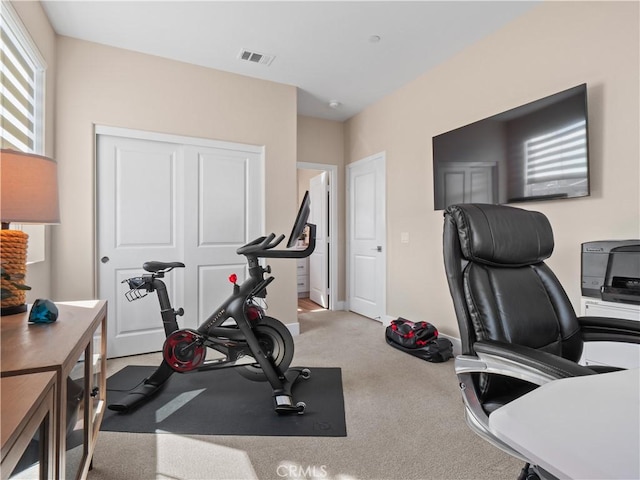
301	220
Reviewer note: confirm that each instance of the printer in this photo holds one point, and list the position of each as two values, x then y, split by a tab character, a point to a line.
611	270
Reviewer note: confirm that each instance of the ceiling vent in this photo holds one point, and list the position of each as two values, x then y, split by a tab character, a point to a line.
255	57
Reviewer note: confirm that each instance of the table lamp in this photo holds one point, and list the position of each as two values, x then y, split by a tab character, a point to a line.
29	195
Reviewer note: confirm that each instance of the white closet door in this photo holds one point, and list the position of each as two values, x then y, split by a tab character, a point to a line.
169	201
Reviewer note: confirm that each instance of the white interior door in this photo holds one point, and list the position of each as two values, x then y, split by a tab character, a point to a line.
169	201
318	261
367	234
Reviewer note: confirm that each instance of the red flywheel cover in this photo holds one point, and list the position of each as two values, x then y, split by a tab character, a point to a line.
183	350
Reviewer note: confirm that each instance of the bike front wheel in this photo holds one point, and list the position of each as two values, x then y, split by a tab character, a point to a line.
276	343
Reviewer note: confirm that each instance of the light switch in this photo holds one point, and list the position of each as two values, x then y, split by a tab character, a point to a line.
404	237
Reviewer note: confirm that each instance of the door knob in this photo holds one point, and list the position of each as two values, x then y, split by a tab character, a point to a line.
104	259
378	248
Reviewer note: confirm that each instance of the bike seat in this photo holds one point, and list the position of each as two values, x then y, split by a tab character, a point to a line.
155	267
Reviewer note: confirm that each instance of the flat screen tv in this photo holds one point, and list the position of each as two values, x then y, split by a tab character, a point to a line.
538	151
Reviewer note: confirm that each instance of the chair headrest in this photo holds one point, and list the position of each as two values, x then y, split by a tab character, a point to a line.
501	235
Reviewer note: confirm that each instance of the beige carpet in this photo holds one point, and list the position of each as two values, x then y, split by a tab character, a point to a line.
404	421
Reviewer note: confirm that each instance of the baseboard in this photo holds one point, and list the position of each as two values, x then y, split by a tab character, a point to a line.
341	305
294	328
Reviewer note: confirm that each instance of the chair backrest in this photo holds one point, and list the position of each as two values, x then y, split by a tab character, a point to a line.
501	288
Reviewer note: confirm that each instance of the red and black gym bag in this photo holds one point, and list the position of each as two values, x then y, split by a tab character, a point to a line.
419	339
409	334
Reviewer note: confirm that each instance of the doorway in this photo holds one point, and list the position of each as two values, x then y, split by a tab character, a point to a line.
318	275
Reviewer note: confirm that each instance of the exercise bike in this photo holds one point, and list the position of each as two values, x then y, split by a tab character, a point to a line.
259	347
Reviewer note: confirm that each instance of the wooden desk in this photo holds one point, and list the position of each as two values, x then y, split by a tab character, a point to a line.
27	408
583	427
63	347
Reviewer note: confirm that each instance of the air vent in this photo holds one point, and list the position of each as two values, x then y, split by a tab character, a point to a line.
255	57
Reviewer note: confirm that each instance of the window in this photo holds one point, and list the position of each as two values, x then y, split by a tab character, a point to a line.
22	77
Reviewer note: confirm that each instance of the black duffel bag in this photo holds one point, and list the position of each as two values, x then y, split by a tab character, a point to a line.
419	339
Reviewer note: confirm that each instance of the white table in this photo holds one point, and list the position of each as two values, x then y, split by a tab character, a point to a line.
580	428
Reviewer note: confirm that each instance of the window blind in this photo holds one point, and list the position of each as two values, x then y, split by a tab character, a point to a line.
21	87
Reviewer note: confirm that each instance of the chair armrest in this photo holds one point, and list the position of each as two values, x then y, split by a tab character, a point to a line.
605	329
520	362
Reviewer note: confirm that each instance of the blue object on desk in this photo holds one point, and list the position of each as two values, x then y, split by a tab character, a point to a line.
43	311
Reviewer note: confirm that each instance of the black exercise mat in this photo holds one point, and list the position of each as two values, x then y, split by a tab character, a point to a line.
222	402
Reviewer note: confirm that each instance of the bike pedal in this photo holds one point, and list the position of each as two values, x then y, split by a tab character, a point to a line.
284	405
289	409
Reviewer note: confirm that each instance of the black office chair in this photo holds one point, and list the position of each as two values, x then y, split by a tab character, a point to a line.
517	327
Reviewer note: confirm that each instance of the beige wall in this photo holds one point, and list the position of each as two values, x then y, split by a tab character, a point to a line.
100	85
556	46
43	36
304	179
322	141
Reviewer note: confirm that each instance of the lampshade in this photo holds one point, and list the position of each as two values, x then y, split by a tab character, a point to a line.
29	188
29	194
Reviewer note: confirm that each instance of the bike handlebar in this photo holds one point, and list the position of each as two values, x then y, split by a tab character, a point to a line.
262	247
275	243
260	244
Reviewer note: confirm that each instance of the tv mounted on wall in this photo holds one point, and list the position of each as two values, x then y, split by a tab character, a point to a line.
538	151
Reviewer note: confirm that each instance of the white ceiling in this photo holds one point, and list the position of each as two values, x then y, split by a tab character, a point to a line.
322	47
